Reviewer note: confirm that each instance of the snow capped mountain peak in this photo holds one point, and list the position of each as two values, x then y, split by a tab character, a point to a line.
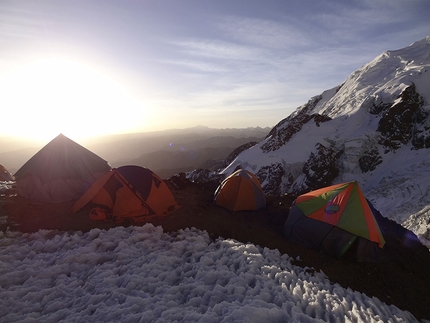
382	80
373	128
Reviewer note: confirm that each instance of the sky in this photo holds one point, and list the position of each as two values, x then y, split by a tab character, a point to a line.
87	68
103	276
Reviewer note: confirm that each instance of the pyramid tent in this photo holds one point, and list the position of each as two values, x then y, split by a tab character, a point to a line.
61	171
240	191
333	219
5	175
130	192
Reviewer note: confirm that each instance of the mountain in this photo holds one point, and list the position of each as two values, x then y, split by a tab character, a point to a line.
374	128
166	163
173	151
120	147
148	148
15	158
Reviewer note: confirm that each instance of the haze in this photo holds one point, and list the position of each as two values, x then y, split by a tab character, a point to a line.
89	68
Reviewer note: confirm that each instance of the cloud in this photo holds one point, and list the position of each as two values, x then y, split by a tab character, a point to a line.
202	66
362	21
217	49
213	55
265	33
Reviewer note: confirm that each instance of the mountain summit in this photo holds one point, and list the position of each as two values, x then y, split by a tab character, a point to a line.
374	128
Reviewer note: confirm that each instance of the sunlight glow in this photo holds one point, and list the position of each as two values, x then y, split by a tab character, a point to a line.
56	96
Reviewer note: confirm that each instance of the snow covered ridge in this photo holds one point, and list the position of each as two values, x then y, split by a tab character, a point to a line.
373	128
141	274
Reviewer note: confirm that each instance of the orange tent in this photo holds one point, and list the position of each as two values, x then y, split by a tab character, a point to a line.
130	192
240	191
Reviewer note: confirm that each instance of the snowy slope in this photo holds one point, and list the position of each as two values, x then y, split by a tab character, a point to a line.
373	128
141	274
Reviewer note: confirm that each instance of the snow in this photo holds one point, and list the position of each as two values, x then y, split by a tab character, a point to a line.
398	187
382	79
420	224
141	274
5	189
5	186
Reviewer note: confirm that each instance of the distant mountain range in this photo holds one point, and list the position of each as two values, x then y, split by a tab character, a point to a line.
164	152
374	128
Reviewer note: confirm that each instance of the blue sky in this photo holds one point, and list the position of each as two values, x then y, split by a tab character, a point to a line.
86	68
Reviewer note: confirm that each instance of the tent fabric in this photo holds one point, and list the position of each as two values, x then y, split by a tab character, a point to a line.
240	191
5	176
130	192
61	171
333	219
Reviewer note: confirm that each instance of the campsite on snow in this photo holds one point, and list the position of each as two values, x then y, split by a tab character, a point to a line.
340	186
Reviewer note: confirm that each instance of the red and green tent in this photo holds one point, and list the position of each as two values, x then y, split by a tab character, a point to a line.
332	219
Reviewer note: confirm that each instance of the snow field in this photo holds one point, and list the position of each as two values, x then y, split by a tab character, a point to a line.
141	274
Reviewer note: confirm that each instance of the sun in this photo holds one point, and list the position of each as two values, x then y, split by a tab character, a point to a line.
55	96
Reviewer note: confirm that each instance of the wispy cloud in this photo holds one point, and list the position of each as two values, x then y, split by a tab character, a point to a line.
218	49
208	58
362	21
265	33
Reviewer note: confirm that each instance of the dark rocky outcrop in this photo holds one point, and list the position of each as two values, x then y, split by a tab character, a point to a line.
320	169
399	122
271	178
369	160
291	125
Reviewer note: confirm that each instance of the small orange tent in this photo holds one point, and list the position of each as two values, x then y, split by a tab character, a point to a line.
130	192
240	191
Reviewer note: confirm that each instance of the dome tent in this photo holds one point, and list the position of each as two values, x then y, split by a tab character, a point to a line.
130	192
240	191
61	171
5	175
333	219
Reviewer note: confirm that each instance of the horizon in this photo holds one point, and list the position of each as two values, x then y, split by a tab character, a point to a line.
15	151
100	136
9	144
87	70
